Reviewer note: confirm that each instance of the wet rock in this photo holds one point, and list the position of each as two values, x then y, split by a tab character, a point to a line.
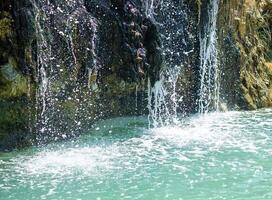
245	45
71	65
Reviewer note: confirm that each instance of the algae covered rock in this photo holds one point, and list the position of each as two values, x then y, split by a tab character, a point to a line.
5	25
244	31
15	86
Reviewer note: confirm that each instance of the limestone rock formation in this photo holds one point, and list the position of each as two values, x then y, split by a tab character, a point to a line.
244	32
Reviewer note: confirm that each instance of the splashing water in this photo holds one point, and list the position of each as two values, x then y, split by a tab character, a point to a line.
60	27
43	57
162	100
150	7
158	110
216	156
209	94
164	97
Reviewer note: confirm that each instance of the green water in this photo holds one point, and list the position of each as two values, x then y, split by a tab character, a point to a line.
218	156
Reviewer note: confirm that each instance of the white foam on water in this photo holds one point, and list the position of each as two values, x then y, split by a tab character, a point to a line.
215	131
86	160
193	139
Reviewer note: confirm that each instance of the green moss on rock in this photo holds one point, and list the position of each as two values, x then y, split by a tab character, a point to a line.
13	84
5	25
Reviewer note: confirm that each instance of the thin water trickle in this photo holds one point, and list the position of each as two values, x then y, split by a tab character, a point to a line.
93	70
43	57
209	93
150	7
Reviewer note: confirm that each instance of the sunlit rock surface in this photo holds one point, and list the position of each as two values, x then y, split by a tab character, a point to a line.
244	31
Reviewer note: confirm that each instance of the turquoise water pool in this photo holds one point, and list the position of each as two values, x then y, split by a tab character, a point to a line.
216	156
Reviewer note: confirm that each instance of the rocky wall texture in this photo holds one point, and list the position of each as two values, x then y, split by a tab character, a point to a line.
244	34
16	90
62	63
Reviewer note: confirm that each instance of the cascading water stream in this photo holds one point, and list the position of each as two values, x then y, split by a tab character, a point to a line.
43	60
150	7
209	93
157	104
92	72
161	111
164	98
60	27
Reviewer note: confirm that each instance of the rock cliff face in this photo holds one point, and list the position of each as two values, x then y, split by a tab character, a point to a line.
15	88
244	32
64	62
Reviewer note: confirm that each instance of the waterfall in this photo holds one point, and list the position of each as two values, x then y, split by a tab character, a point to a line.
44	55
164	97
92	72
150	6
66	39
209	92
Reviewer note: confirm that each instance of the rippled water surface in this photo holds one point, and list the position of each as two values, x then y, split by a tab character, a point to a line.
217	156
